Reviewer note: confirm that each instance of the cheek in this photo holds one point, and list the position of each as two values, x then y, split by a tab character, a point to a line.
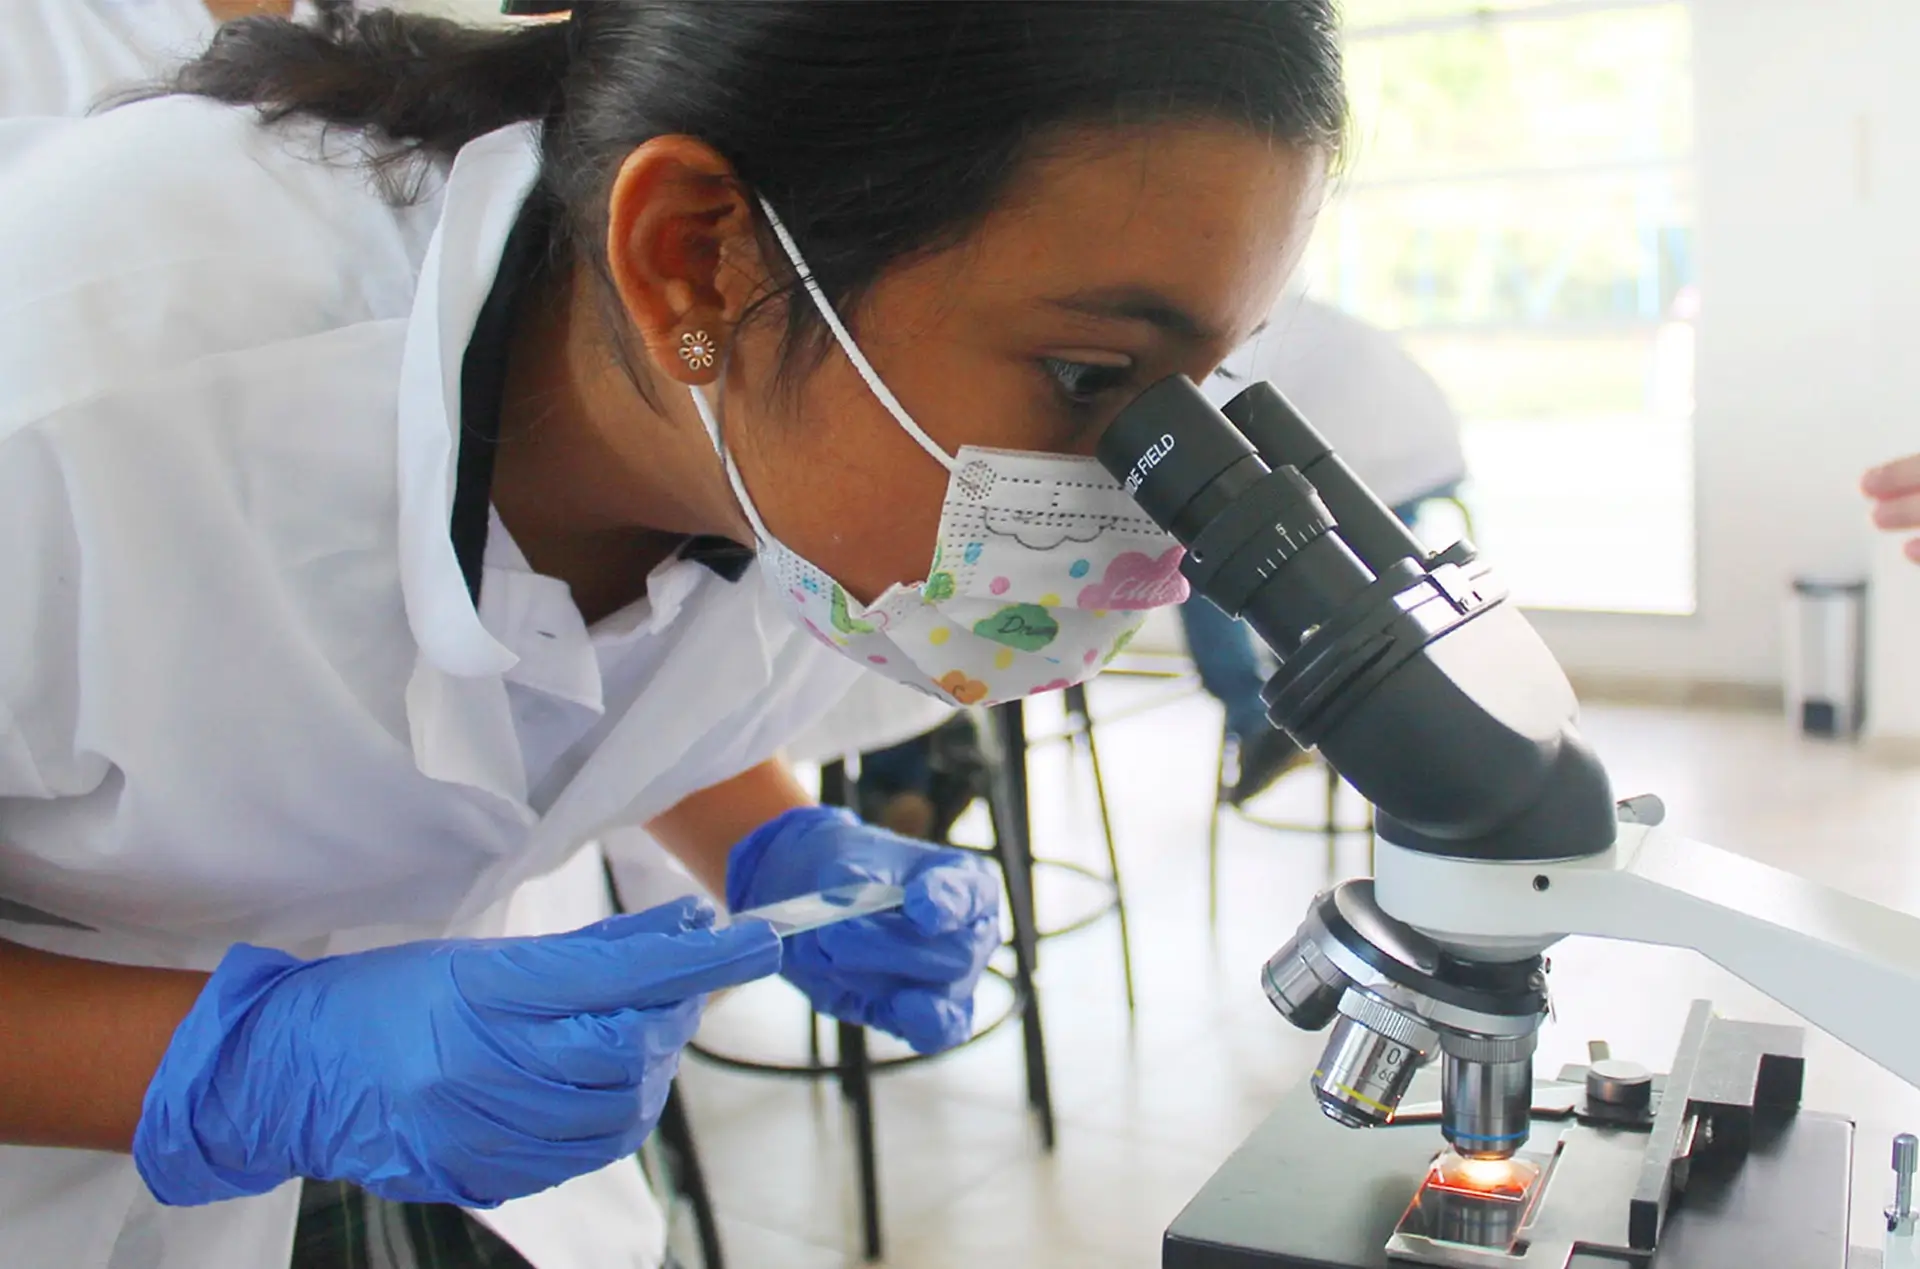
840	482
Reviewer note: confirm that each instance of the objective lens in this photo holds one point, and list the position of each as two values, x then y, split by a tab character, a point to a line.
1368	1062
1486	1096
1303	984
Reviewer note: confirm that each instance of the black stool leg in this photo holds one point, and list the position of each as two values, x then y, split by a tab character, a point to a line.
1333	824
1213	838
1014	850
1076	700
1012	719
676	1133
833	792
856	1069
833	783
856	1081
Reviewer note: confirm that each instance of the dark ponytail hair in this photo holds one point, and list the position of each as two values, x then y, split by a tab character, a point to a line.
877	130
425	85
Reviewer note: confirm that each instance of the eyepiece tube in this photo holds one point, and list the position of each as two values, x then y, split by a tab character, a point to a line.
1284	439
1260	542
1179	458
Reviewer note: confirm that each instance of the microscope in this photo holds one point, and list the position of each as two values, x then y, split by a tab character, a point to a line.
1497	835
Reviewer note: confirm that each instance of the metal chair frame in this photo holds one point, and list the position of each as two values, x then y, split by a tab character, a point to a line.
854	1066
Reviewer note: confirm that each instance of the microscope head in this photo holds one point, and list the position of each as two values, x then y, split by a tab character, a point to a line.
1424	689
1397	1000
1408	671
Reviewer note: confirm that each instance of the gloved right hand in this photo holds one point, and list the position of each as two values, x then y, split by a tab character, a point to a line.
466	1071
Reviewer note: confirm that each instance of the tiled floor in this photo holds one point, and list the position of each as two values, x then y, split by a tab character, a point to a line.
1146	1113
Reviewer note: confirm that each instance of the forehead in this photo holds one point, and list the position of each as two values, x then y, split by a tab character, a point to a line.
1209	217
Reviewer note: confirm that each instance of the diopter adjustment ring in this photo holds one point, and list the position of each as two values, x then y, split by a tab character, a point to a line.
1269	524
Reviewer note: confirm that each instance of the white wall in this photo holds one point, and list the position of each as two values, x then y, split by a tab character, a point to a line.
1808	155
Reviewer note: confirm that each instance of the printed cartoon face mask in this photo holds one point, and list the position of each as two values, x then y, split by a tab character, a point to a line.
1043	568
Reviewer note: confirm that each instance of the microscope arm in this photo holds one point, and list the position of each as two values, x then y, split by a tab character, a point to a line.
1848	966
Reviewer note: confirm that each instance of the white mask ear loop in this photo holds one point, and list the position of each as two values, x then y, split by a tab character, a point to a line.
845	338
712	421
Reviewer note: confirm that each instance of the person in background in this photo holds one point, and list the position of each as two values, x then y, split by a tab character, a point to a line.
1388	418
1894	490
922	786
898	736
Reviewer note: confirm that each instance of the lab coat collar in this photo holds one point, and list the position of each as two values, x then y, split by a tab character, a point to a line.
536	618
490	180
457	708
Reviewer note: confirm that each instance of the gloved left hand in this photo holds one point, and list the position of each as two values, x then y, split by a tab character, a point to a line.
910	972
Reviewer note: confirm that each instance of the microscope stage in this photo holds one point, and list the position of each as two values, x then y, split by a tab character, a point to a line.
1772	1193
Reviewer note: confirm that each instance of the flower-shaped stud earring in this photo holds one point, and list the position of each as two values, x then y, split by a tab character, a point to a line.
696	349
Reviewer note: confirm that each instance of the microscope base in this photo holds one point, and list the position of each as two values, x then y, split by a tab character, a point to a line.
1304	1193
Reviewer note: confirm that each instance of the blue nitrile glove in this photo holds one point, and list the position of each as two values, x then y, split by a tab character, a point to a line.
468	1071
911	972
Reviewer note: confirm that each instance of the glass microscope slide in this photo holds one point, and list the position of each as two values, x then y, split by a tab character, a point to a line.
825	907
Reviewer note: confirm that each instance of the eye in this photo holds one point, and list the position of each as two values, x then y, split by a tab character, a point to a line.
1083	383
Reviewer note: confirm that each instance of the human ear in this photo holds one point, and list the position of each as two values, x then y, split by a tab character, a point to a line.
682	253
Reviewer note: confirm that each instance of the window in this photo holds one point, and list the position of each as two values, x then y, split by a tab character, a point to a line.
1517	204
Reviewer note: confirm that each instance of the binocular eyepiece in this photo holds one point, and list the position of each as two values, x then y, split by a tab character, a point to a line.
1469	752
1280	532
1254	494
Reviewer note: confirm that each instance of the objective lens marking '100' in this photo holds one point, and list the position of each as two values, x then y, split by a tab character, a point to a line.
1149	460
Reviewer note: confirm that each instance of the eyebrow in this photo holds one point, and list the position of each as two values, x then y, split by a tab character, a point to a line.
1140	304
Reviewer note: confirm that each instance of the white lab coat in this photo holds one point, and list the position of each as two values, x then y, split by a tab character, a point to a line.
57	57
243	692
1381	411
876	713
